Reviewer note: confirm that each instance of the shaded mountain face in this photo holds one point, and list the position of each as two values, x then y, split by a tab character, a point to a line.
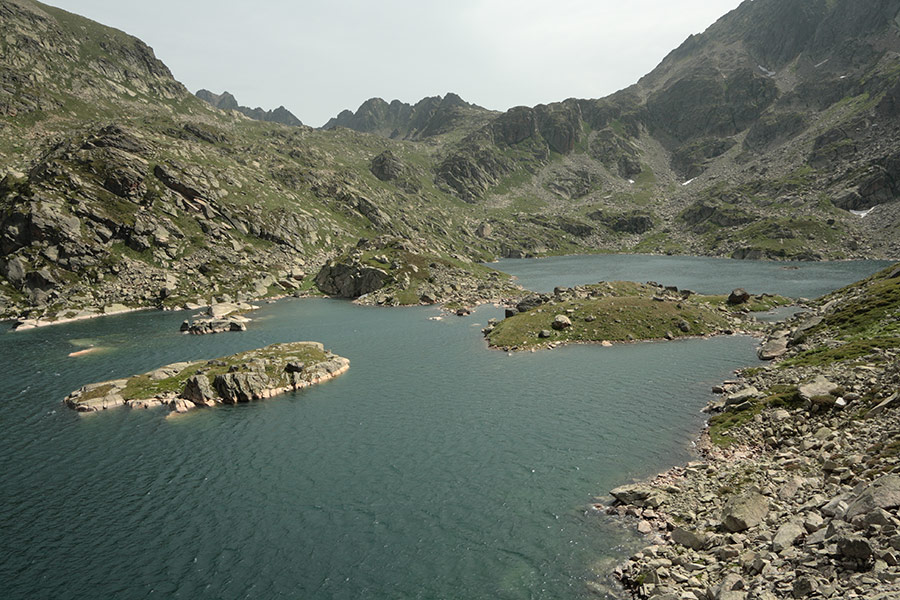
226	101
767	136
430	116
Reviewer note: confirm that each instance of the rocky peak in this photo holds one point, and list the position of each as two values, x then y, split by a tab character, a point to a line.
226	101
428	117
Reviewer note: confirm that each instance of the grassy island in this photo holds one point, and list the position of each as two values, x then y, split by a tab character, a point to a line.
244	377
621	311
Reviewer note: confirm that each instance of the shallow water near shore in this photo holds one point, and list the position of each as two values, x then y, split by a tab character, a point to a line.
434	468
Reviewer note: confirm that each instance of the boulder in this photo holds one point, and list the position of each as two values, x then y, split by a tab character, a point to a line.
639	494
738	296
198	391
689	539
773	348
561	322
222	309
387	166
744	511
241	387
787	535
529	303
854	547
820	386
744	395
882	493
350	279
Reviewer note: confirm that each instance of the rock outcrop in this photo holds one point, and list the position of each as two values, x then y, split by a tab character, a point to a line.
245	377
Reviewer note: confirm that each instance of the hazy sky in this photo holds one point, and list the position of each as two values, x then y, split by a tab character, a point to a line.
318	57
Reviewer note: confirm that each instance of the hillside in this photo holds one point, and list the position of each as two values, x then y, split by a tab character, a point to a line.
797	492
754	139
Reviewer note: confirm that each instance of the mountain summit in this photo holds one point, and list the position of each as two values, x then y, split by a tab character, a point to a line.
226	101
773	134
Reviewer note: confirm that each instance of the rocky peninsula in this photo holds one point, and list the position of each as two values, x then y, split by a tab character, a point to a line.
797	490
388	271
622	311
245	377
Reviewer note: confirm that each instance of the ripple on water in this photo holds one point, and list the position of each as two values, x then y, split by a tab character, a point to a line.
434	468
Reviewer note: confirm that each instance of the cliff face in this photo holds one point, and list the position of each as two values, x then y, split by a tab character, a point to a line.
754	139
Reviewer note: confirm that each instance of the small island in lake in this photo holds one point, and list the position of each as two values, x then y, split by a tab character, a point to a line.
244	377
622	311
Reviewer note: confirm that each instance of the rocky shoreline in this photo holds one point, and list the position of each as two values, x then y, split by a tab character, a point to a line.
245	377
797	490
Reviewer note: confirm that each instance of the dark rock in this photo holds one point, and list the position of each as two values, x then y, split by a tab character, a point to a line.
241	387
738	296
854	547
561	322
387	166
529	302
350	279
198	390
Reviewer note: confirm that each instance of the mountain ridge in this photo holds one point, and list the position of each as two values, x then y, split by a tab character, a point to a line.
226	101
124	188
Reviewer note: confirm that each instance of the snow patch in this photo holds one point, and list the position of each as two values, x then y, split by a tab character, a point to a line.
766	71
862	214
689	181
631	181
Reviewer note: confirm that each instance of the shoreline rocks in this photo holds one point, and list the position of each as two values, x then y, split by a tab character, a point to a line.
797	490
219	318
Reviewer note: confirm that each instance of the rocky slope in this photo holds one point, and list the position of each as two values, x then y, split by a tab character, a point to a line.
226	101
754	139
428	117
798	493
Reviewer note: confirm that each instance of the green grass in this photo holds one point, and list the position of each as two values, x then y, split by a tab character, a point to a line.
141	387
630	314
875	312
853	350
778	396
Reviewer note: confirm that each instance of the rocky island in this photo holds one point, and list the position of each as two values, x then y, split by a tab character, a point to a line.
623	311
244	377
797	491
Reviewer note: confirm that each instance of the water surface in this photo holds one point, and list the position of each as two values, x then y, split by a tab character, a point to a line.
703	275
434	468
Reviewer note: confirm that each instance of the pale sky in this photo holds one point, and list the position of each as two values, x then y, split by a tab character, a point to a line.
318	57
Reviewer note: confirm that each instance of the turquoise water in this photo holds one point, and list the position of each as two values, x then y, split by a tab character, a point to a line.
703	275
434	468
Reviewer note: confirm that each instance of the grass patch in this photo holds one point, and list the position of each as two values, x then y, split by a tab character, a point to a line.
619	311
856	349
